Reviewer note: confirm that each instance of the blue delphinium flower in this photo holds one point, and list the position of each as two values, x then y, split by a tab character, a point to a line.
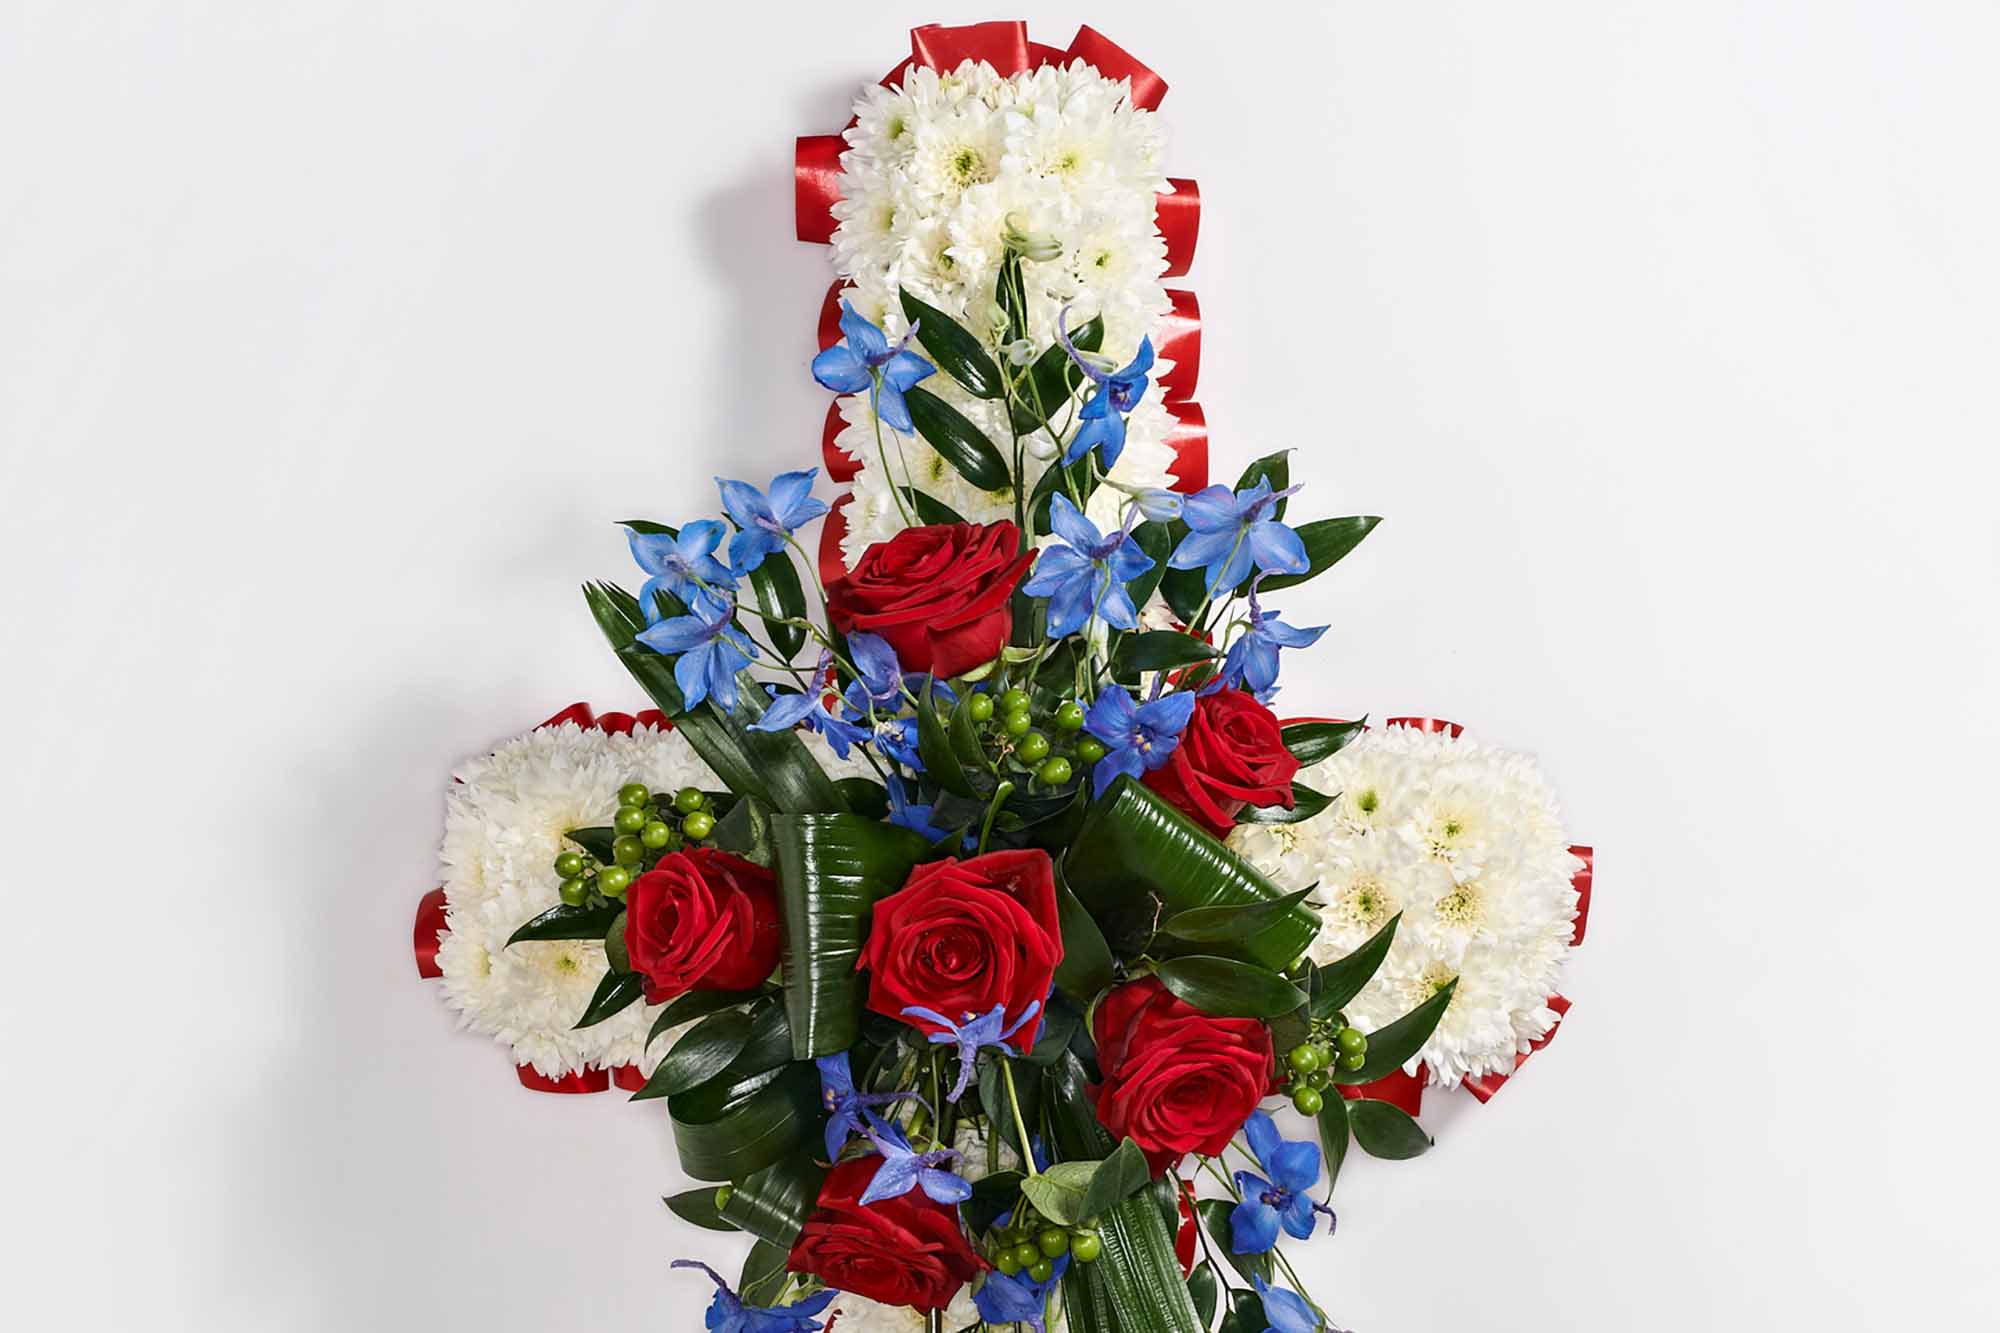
904	1168
875	698
711	652
1253	657
845	1107
728	1314
1137	737
789	710
916	818
1160	506
973	1034
1018	1299
681	565
1117	392
1087	577
1287	1311
1228	532
1282	1200
868	358
764	521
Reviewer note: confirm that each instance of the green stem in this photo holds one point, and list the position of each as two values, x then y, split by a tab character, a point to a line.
1000	795
1020	1123
881	452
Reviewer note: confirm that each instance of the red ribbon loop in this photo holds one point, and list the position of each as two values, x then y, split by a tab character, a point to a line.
1115	62
587	1080
1001	44
1188	438
1179	341
1580	881
816	185
1431	724
1402	1091
1486	1085
430	925
841	466
1178	216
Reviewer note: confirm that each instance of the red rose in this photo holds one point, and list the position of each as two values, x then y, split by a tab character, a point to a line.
1175	1079
702	920
939	595
902	1251
1231	755
962	936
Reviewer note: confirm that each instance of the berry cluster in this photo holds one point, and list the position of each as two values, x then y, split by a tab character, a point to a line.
648	825
1331	1045
1010	719
1022	1248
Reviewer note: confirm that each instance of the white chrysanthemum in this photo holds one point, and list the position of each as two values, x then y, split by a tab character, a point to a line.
933	173
504	823
858	1314
1467	843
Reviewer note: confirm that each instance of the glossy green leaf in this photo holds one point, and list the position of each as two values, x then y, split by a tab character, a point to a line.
746	831
1133	844
704	1050
1326	540
1229	989
1311	742
1158	650
1341	980
1154	540
1052	382
956	440
1399	1042
1214	925
728	1130
773	1204
957	352
698	1206
696	1004
1386	1131
1204	1292
615	953
831	871
864	796
991	1196
764	1274
1244	1315
1333	1135
965	742
1116	1179
649	527
775	582
941	762
1086	967
614	993
564	922
1305	804
929	509
596	841
1277	468
1058	1192
1214	1217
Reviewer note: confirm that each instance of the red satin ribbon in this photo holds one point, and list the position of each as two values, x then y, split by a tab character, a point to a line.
832	565
1404	1091
1580	881
1486	1085
430	927
1178	216
1179	341
1188	438
1431	724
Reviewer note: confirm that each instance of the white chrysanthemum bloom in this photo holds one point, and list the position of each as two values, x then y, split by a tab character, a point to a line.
1467	843
858	1314
933	173
504	823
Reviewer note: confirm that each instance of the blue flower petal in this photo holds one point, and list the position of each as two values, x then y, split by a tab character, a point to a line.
1276	548
1211	509
1262	1134
1253	1227
895	413
1071	525
906	369
1294	1166
841	370
867	342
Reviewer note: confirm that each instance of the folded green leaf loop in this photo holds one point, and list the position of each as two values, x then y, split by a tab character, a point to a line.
728	1130
773	1204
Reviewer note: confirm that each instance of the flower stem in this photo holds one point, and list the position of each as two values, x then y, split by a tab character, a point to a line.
1000	795
882	452
1020	1124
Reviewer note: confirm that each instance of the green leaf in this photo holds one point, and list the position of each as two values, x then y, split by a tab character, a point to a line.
614	945
831	871
1184	589
994	1101
1116	1179
1214	1216
1229	989
776	583
1133	844
1010	293
704	1050
934	746
773	766
1277	468
991	1196
596	841
773	1204
1332	1121
1058	1192
1341	980
1326	541
929	509
729	1129
1393	1045
1154	540
1085	971
1305	804
1213	925
957	440
698	1206
965	741
746	831
1311	742
954	348
1203	1291
1053	380
697	1004
1386	1131
1072	481
1158	650
564	922
650	528
764	1274
864	796
1244	1315
614	993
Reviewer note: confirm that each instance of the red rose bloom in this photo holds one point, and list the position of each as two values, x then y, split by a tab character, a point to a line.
939	595
1175	1079
702	920
902	1251
1231	755
962	936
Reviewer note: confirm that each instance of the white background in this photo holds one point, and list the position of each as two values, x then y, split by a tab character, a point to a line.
333	338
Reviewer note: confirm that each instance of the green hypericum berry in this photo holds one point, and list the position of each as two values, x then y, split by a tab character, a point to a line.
1042	1270
612	881
1055	772
980	706
1013	700
1026	1255
698	825
1304	1058
575	891
723	1196
1070	717
689	799
1017	724
656	834
1351	1040
1006	1262
1319	1078
1086	1248
627	850
1354	1061
1089	750
1052	1241
571	864
1032	747
1308	1101
633	793
629	819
